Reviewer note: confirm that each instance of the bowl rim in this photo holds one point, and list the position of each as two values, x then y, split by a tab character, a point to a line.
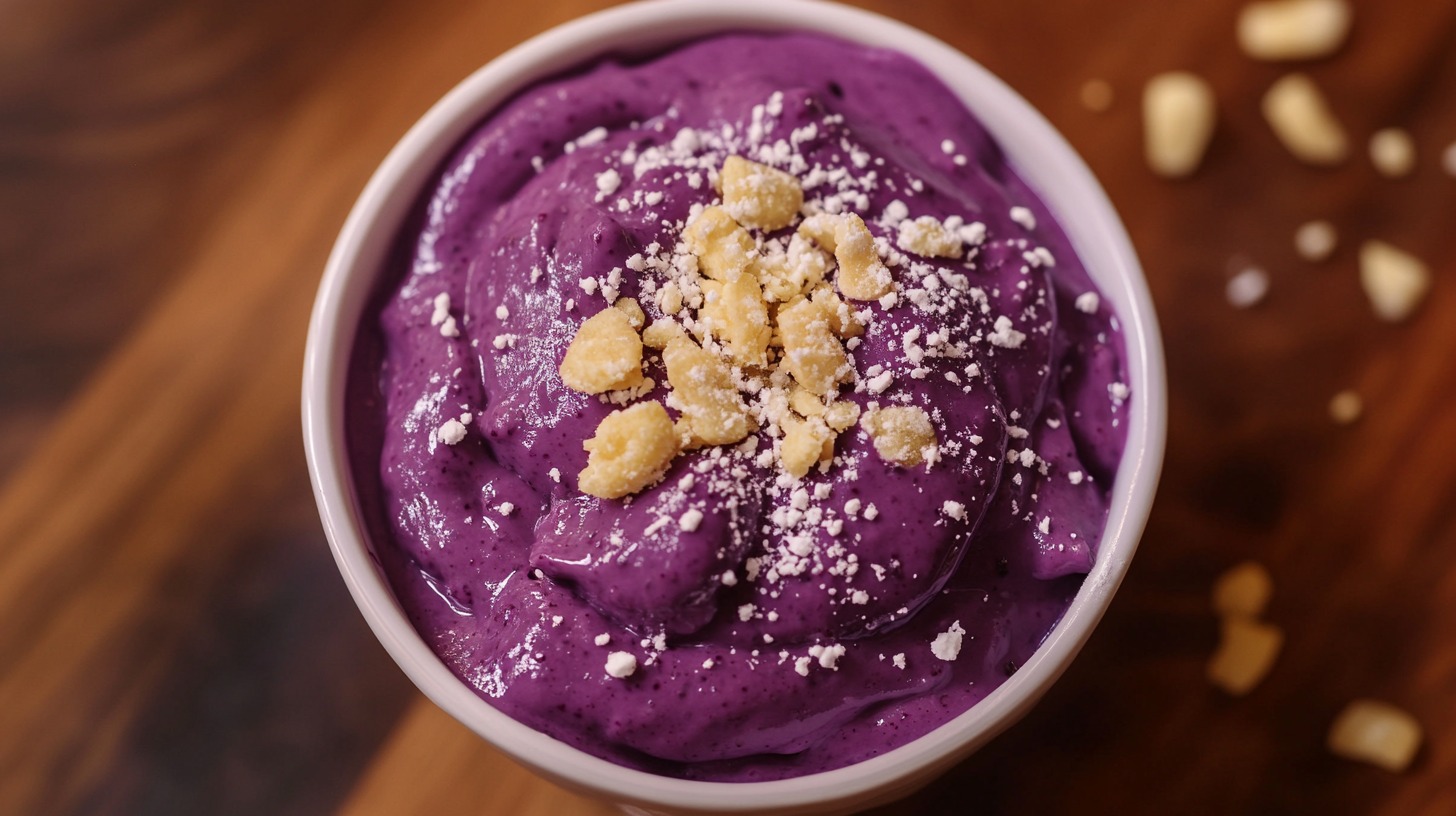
1055	172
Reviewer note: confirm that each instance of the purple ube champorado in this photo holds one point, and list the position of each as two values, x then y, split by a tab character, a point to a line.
775	627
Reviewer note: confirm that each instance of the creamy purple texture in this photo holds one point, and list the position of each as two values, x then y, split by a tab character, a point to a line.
789	631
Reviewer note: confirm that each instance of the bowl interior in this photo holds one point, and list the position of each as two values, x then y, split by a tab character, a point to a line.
1040	155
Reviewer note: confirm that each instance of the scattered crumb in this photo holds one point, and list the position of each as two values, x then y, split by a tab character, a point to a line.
947	644
1346	407
1315	240
621	664
1375	732
1393	152
1247	288
1293	29
1394	280
1246	652
1097	95
1178	121
1296	109
1243	590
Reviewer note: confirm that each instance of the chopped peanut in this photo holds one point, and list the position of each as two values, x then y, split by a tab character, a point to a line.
759	196
812	354
703	386
1243	590
862	275
1375	732
1395	280
670	298
902	434
605	355
724	248
842	320
841	416
661	332
928	236
793	273
1296	110
1293	29
804	445
631	449
806	403
744	318
1178	122
633	311
820	229
1246	653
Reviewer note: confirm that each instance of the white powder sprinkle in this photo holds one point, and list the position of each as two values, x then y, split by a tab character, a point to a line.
501	312
1045	526
449	328
621	664
729	578
607	183
1087	302
1247	288
555	474
442	309
1075	477
690	520
954	509
1004	335
947	644
602	639
452	432
871	512
1024	217
505	508
899	660
801	665
556	620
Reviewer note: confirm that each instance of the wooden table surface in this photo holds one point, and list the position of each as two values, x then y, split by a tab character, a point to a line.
174	638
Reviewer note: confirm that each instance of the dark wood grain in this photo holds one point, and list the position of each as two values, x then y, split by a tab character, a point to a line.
173	636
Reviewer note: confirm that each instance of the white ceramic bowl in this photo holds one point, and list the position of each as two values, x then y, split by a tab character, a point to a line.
1042	157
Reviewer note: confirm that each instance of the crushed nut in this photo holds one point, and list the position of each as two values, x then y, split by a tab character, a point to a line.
1375	732
1346	407
744	318
806	403
820	229
630	450
812	353
1293	29
605	355
804	445
661	332
1243	590
702	385
1315	240
724	249
842	319
862	275
759	196
902	434
633	311
1296	110
1245	654
841	416
1394	280
1178	122
927	236
790	274
1393	152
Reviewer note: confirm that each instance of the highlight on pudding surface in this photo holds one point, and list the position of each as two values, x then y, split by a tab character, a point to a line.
738	412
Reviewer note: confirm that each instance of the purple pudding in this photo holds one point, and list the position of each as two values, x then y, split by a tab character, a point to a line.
736	413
